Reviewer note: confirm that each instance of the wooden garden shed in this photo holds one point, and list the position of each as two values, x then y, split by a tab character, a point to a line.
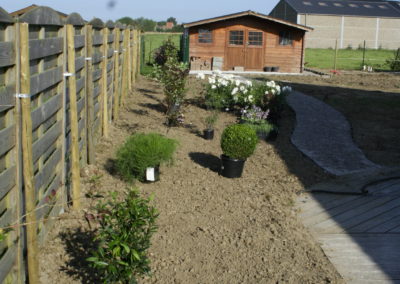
245	41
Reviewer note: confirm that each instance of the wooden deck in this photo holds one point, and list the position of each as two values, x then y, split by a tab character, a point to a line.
360	234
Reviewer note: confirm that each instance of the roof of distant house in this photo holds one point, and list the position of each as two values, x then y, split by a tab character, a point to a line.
246	13
377	8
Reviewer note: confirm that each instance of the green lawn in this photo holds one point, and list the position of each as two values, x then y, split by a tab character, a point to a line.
152	42
347	59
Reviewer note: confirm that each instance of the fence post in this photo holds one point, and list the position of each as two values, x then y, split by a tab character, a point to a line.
104	82
129	57
363	61
33	267
336	52
89	94
125	83
73	108
116	73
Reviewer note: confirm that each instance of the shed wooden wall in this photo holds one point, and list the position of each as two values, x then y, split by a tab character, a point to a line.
288	58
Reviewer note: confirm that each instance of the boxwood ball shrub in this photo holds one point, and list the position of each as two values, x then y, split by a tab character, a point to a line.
238	141
142	151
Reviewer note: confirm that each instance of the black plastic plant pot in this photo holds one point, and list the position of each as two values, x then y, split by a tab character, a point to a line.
208	134
267	69
275	69
231	168
152	174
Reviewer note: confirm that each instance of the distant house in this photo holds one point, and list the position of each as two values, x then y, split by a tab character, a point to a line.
245	41
22	11
349	22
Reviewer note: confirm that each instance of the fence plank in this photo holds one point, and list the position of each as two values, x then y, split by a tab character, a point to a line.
79	41
43	177
97	39
7	181
7	95
39	48
46	111
7	54
80	84
7	139
7	262
42	144
79	63
46	79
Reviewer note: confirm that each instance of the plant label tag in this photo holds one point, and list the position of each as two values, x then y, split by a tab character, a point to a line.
150	174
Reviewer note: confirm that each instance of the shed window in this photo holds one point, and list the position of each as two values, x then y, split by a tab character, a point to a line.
255	38
205	36
236	37
285	38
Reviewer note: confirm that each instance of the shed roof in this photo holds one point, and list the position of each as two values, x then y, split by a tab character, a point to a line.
246	13
385	9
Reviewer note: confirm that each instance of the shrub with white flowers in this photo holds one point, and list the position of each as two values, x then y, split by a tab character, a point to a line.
228	91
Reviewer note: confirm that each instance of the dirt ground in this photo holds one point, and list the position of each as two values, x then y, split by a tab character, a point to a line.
211	229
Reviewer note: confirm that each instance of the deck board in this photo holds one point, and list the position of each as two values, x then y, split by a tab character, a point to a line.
359	234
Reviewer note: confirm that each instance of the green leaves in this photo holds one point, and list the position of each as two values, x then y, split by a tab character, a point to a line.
238	141
141	151
124	237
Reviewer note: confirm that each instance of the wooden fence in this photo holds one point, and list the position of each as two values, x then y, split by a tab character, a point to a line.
62	82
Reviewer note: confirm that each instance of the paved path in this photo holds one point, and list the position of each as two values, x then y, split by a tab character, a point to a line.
358	222
324	135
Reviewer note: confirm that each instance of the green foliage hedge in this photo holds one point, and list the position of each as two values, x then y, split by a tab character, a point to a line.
141	151
123	238
238	141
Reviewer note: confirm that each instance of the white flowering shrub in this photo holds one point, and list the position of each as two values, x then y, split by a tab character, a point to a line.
227	91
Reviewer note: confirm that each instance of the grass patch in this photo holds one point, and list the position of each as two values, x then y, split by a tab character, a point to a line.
347	59
154	41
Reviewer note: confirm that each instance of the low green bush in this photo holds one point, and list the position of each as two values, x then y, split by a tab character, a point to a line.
238	141
141	151
123	238
264	127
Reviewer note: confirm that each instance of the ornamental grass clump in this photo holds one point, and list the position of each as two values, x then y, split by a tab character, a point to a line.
142	151
123	238
238	141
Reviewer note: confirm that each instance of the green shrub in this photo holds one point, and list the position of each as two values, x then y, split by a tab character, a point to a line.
165	51
124	236
141	151
238	141
264	127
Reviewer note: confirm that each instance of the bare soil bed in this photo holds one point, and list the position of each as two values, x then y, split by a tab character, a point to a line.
211	229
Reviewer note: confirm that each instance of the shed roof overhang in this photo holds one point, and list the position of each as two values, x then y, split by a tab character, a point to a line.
247	13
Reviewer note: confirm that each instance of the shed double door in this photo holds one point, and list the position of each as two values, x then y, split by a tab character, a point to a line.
245	47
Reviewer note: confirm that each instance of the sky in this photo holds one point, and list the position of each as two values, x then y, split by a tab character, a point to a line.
159	10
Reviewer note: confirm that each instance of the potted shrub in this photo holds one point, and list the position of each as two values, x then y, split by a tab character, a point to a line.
238	142
141	155
210	121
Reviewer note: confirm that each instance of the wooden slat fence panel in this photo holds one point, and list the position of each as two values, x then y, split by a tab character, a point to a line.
100	57
46	54
11	268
